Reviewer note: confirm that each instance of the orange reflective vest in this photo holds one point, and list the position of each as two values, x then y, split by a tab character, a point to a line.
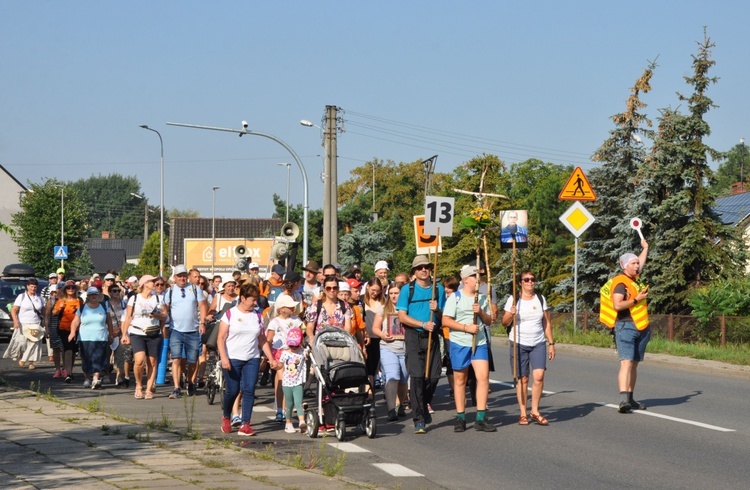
607	312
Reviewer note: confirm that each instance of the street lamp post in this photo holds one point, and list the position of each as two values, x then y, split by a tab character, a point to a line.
742	165
145	216
62	221
374	213
288	177
291	152
213	231
161	203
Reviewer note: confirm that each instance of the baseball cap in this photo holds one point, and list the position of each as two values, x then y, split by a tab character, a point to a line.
354	283
60	270
292	276
132	279
95	275
468	270
52	275
285	301
109	276
381	264
344	286
294	337
179	269
253	265
278	269
145	279
92	290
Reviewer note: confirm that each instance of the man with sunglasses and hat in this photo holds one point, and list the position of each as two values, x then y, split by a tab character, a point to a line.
420	313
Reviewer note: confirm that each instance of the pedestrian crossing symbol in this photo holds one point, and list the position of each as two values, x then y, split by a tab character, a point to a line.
61	252
577	188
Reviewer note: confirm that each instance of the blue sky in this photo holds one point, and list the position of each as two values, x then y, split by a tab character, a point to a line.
517	79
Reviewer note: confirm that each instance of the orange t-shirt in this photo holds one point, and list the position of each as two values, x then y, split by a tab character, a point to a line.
68	309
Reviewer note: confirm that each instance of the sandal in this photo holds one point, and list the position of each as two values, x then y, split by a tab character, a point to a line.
522	420
149	395
539	419
138	393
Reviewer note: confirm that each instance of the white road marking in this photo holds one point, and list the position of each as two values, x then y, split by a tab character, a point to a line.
348	447
640	412
262	408
394	469
674	419
510	385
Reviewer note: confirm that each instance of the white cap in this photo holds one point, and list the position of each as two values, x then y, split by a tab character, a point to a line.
253	265
179	269
284	300
132	279
344	286
382	264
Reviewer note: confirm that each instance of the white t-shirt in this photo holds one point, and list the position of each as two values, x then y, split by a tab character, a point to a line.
529	316
143	308
26	305
242	339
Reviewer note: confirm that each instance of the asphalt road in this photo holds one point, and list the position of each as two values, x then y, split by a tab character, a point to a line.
693	435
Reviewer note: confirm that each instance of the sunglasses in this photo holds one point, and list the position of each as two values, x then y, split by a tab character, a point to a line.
332	288
71	287
158	284
114	290
422	267
529	279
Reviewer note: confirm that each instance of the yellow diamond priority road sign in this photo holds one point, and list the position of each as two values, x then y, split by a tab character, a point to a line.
577	219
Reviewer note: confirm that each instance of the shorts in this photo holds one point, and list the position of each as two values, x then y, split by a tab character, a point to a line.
68	345
536	355
461	356
394	366
631	342
94	357
123	354
143	343
185	345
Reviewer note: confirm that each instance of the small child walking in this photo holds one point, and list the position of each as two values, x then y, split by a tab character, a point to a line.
294	368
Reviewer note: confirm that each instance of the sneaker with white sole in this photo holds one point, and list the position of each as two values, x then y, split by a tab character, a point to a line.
236	421
289	429
87	383
246	430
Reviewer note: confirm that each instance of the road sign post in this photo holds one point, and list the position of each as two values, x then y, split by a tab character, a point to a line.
577	219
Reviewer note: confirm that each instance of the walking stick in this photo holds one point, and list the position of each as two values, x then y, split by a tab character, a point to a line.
515	325
432	313
476	300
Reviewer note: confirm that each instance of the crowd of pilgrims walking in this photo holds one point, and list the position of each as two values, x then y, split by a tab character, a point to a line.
409	330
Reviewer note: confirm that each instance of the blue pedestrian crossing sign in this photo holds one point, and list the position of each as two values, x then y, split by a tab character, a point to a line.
61	252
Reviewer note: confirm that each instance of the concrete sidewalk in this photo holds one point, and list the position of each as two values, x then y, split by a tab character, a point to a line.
49	443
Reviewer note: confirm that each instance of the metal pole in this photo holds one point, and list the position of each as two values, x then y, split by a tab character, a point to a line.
213	230
145	221
575	285
161	204
332	111
374	214
288	178
62	221
291	152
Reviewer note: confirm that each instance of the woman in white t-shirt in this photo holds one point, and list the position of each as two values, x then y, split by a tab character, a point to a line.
143	329
240	341
532	325
27	319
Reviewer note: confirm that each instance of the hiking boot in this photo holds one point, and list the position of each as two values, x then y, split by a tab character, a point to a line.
624	407
460	425
484	426
392	417
419	428
246	430
226	425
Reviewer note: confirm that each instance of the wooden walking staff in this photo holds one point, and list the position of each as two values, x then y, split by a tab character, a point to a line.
515	326
432	313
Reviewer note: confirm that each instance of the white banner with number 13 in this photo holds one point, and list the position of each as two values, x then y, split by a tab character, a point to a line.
438	213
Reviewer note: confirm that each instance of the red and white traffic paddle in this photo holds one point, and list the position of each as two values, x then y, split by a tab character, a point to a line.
635	224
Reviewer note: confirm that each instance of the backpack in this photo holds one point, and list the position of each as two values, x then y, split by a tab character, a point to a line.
212	337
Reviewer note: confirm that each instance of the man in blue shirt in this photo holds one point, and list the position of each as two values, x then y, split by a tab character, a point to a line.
420	314
187	308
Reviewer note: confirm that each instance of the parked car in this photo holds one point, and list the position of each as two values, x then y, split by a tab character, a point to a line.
13	283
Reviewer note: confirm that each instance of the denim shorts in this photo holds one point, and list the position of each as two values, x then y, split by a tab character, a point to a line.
631	342
461	357
534	355
185	345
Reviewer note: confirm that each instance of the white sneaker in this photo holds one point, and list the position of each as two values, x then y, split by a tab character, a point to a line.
289	429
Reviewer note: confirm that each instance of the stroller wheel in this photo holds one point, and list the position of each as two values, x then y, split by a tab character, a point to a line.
340	429
371	426
311	419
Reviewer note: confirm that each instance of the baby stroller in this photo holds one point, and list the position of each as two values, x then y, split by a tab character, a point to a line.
341	373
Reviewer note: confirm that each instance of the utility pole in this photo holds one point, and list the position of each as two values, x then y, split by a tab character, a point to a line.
330	197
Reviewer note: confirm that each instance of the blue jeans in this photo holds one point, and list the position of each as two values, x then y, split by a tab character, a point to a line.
241	377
